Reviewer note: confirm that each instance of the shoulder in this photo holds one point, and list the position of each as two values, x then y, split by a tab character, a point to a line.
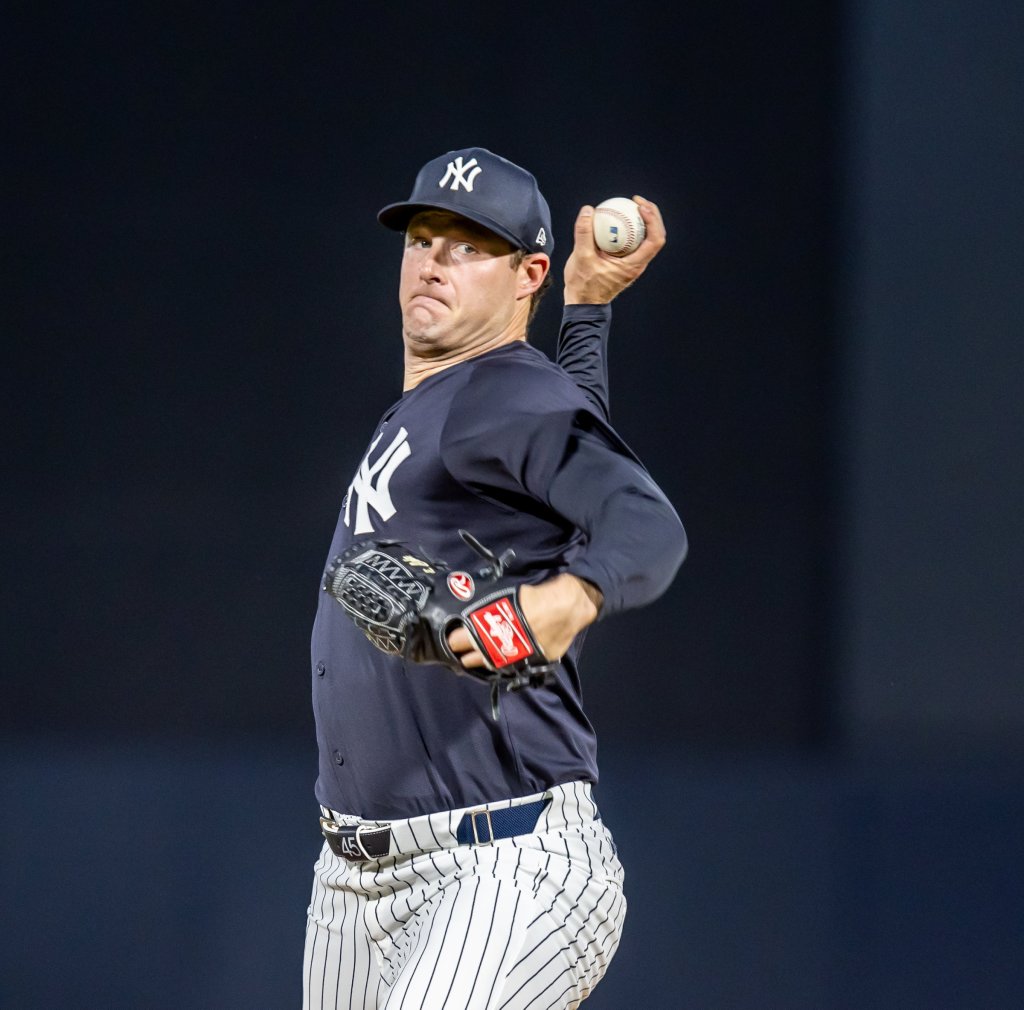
509	403
515	404
521	378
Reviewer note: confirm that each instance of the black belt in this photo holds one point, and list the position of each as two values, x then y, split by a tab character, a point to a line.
357	843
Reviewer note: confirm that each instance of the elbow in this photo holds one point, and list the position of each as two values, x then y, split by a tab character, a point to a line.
674	546
663	554
681	543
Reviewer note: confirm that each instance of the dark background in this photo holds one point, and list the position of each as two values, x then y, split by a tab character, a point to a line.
811	745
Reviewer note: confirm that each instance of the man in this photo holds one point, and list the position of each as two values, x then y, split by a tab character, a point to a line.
474	870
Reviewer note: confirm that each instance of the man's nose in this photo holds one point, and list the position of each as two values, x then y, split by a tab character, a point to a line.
430	267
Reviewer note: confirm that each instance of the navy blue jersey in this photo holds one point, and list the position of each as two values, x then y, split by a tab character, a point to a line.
509	447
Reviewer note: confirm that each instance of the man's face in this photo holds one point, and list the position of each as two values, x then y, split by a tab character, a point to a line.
457	287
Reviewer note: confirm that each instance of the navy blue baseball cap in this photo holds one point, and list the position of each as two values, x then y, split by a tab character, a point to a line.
487	189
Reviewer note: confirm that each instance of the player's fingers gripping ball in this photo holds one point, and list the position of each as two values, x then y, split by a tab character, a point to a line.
618	227
406	604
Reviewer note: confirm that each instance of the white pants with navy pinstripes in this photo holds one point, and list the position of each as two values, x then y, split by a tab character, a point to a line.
524	922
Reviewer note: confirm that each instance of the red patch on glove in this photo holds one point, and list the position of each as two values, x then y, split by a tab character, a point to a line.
502	632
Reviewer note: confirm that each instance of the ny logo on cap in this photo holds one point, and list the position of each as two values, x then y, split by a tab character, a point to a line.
458	170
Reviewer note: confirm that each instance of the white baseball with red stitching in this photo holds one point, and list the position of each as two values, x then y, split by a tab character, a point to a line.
618	226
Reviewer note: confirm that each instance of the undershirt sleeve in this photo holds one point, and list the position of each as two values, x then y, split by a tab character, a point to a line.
583	351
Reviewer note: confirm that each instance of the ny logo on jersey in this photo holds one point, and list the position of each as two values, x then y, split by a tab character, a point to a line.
371	484
458	170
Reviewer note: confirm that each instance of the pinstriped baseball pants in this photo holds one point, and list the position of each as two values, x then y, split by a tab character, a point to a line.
525	922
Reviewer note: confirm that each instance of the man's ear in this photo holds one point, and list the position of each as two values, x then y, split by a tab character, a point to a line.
531	273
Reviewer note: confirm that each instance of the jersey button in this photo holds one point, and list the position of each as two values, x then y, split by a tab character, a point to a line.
321	667
338	758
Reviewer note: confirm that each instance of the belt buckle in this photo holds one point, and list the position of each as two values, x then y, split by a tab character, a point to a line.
477	840
343	840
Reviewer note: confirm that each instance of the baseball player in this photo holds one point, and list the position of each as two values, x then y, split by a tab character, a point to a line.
465	863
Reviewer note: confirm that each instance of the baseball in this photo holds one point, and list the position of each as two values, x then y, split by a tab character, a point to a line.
618	226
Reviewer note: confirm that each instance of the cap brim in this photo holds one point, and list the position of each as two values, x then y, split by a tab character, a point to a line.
397	216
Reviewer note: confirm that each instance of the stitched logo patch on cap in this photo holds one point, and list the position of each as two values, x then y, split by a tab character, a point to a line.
457	174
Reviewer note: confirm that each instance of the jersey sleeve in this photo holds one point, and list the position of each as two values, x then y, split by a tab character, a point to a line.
583	351
635	541
563	455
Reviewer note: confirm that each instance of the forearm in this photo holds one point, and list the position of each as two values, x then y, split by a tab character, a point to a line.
558	610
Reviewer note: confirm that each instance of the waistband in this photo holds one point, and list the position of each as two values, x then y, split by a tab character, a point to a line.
563	806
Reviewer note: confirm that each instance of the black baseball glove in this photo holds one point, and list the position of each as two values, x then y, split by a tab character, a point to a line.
407	604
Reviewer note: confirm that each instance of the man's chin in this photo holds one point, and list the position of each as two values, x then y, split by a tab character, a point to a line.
424	339
422	325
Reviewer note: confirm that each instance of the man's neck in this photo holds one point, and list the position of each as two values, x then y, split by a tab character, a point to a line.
418	368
